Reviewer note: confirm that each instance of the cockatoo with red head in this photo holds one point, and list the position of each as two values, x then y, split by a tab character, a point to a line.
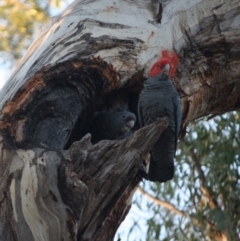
159	98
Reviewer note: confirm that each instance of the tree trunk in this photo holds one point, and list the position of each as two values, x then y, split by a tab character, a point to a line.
95	56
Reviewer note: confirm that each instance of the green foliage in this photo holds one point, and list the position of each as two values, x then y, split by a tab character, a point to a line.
19	20
206	186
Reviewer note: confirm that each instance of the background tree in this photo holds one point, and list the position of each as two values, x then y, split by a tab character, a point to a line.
202	201
59	84
19	23
19	20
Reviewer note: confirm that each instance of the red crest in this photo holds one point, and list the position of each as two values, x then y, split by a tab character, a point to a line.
168	57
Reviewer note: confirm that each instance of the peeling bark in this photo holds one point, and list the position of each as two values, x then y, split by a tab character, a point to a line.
92	57
208	76
47	200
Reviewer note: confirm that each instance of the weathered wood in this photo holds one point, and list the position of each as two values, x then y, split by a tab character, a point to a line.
204	33
35	207
54	98
209	73
39	183
94	56
111	178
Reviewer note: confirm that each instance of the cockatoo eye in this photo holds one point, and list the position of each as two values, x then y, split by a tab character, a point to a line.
123	116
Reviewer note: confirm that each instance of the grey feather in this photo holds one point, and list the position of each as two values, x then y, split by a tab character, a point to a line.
159	98
106	125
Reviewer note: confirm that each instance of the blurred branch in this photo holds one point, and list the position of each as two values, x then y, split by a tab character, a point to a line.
164	204
204	189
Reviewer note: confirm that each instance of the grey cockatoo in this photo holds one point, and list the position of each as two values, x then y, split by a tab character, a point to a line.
106	125
159	98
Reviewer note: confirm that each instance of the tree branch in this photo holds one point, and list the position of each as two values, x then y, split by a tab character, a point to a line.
48	197
91	51
204	188
109	170
161	203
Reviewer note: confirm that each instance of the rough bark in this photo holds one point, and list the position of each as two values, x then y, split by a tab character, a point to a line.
94	56
84	192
